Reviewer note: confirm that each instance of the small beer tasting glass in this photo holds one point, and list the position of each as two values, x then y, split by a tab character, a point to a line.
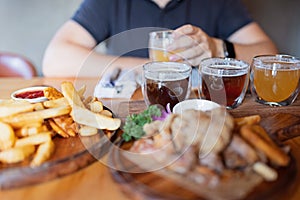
158	43
166	82
224	81
275	79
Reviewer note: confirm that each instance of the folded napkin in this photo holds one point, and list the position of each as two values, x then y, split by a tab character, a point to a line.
116	85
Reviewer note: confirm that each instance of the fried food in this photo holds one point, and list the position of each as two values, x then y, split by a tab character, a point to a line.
10	108
7	136
248	120
27	128
58	129
263	134
83	116
268	147
106	113
43	153
24	129
36	116
265	171
71	95
56	103
17	154
243	149
96	106
239	153
39	106
20	124
211	131
66	123
31	129
82	90
87	131
34	139
52	93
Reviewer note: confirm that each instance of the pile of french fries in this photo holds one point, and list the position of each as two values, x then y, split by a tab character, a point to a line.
27	129
254	134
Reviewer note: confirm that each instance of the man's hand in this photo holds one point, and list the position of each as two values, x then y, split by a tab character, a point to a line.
193	45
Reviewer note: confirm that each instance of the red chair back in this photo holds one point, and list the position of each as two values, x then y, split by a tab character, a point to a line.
14	65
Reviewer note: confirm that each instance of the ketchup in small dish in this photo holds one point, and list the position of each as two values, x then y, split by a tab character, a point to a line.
31	94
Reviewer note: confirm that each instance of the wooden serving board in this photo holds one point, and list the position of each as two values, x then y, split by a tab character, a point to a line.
163	185
70	155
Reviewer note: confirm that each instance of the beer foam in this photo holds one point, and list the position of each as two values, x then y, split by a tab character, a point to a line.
224	71
166	76
225	75
277	68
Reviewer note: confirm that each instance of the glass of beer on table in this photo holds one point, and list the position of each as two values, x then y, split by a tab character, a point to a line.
158	44
275	79
224	81
166	83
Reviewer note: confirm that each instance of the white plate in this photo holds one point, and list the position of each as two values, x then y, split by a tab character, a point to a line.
196	104
28	89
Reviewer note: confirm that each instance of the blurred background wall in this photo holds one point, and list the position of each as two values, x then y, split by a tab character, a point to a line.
280	20
26	26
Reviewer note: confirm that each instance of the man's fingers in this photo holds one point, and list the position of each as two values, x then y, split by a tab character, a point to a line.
185	29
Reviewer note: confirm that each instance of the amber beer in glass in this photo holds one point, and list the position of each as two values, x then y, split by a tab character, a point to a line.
275	79
166	82
158	43
224	81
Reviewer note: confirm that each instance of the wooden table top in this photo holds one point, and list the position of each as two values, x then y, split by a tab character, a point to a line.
95	181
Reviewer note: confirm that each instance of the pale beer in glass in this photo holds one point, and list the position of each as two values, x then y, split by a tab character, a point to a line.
275	79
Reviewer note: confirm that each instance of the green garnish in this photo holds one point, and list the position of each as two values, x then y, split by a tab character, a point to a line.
134	123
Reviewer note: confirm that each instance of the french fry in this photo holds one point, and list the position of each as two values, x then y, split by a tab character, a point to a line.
7	136
36	116
38	106
33	139
58	129
63	120
106	113
15	107
56	103
52	93
87	131
265	171
67	123
82	90
248	120
263	134
43	153
71	94
17	154
96	106
20	124
71	132
273	152
4	102
31	129
85	117
87	100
